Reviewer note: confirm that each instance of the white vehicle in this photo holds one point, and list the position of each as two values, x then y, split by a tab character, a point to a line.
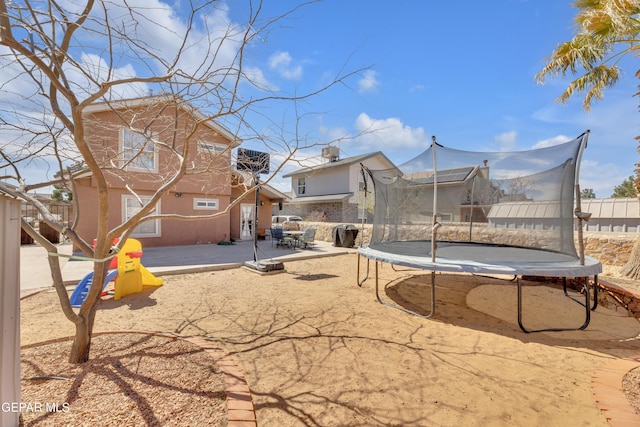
279	219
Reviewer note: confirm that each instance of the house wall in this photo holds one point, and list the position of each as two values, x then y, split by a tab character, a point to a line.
209	176
331	181
212	173
264	212
355	173
313	211
337	179
172	232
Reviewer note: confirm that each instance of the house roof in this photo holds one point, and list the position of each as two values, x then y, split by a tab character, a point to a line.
326	198
265	189
612	208
599	208
525	209
445	176
148	100
272	193
339	163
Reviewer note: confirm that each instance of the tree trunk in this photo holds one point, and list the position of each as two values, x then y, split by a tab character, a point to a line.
632	269
81	344
84	328
82	340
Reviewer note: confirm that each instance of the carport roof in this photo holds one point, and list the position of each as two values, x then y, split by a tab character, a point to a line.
323	199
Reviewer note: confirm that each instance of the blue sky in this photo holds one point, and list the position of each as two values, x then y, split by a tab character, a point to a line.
462	71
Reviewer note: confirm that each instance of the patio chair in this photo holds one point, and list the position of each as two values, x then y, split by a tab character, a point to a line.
277	236
307	237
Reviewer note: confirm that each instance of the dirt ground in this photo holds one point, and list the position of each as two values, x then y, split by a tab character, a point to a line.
318	350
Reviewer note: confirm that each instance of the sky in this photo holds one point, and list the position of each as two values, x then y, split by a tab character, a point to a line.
460	71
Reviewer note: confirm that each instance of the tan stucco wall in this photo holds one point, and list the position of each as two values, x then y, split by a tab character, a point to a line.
173	232
209	177
264	211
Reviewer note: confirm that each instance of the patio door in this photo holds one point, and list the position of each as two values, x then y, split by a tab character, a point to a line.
246	221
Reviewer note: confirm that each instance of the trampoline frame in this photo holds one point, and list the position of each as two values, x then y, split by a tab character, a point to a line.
589	303
547	267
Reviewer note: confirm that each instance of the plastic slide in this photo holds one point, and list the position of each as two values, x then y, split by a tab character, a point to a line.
80	292
148	279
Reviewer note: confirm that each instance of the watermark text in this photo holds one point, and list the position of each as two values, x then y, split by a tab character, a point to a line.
38	407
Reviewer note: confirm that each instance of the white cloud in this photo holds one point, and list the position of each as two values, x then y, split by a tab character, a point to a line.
95	69
279	59
368	82
255	76
164	41
387	134
550	142
507	140
281	62
601	177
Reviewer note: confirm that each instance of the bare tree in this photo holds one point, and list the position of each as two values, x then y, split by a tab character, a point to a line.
65	61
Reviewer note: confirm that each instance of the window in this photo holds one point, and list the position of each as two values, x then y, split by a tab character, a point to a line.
361	182
200	204
131	206
138	151
210	148
301	186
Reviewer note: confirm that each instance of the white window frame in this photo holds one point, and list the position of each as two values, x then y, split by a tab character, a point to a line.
126	215
301	185
206	204
136	165
211	148
446	217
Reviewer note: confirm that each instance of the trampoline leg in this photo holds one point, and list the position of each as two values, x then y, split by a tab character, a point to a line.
406	310
366	276
586	306
585	286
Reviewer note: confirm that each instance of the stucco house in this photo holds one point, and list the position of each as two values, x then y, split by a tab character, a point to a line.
331	188
136	141
242	213
464	193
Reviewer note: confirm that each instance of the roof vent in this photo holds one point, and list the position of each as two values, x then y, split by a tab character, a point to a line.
332	153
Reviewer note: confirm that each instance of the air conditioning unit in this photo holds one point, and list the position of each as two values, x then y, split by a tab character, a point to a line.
332	153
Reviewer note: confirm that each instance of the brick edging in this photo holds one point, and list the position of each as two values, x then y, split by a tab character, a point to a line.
240	411
628	299
606	387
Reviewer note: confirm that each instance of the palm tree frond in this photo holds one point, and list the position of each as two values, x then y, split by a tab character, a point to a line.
583	51
593	84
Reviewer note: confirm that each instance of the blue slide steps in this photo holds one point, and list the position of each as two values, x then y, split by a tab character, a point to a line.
81	291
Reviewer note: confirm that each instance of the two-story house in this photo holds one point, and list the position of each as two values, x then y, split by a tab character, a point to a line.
332	191
138	144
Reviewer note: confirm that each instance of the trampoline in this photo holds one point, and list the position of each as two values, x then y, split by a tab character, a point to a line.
446	213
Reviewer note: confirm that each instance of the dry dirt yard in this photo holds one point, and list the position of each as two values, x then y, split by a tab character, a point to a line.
317	350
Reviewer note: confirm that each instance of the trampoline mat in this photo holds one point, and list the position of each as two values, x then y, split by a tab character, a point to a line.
481	258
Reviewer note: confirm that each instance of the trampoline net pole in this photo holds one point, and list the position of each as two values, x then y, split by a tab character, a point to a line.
435	224
578	209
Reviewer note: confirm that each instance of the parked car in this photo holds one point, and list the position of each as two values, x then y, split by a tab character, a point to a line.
279	219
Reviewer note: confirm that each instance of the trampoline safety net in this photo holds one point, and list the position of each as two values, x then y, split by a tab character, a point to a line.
523	199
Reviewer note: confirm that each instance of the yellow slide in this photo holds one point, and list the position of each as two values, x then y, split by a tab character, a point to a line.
148	279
